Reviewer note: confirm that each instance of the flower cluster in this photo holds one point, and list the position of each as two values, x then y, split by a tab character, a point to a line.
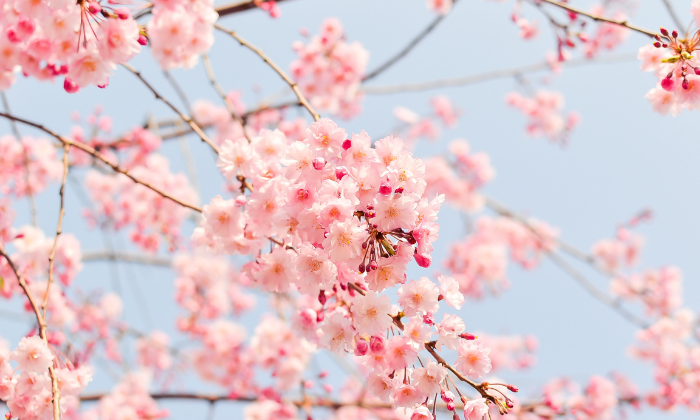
28	165
27	388
129	399
544	113
479	263
180	31
329	70
415	126
121	202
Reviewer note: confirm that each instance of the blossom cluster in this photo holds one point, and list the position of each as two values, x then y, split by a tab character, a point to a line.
329	70
544	113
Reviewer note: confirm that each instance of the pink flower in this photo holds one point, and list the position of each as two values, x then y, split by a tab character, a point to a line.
395	212
345	239
417	331
326	137
400	352
33	355
449	329
118	40
223	218
427	379
422	413
419	297
449	289
473	361
277	270
88	67
371	313
407	396
337	333
235	157
475	409
381	386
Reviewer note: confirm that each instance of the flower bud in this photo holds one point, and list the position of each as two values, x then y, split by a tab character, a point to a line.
340	172
657	44
451	406
423	260
667	84
674	34
371	207
70	86
385	189
447	396
664	32
362	347
241	200
323	374
94	7
377	344
685	84
361	268
122	13
399	190
373	265
322	297
347	144
319	163
509	404
468	336
512	388
320	316
429	318
143	40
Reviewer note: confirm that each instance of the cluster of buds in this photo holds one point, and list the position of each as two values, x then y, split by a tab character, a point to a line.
378	244
682	49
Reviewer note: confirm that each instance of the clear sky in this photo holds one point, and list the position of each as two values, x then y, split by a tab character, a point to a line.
621	159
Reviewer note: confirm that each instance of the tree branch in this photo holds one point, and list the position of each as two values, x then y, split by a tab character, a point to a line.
136	258
292	84
491	75
407	49
89	150
600	18
238	7
217	87
182	116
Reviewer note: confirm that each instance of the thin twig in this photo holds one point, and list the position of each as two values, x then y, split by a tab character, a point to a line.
15	131
182	116
600	18
239	7
491	75
89	150
292	84
41	321
673	14
568	268
407	49
59	228
217	87
136	258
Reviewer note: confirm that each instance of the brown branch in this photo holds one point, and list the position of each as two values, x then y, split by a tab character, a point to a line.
59	228
407	49
672	12
41	322
292	84
491	75
565	266
217	87
15	131
238	7
622	23
136	258
182	116
89	150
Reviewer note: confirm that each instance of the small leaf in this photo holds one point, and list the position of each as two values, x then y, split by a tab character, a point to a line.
671	60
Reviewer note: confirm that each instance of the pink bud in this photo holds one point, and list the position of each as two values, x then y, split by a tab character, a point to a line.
697	70
361	348
373	265
143	40
319	163
657	44
370	207
667	84
664	32
447	396
399	190
104	85
70	86
323	374
371	214
241	200
423	260
328	388
123	13
347	144
322	297
468	336
25	26
94	7
685	84
302	194
509	404
361	268
377	344
320	316
340	172
674	34
451	406
512	388
429	318
8	415
308	318
385	189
